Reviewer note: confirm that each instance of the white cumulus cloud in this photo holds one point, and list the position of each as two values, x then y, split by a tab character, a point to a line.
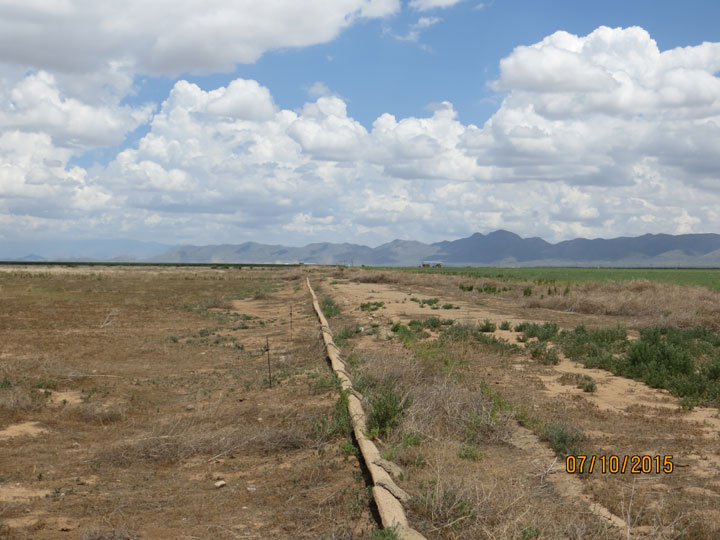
424	5
169	37
597	135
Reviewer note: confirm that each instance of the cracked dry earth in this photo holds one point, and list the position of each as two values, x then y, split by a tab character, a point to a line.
622	417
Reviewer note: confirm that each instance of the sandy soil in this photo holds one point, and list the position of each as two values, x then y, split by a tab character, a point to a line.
140	407
159	422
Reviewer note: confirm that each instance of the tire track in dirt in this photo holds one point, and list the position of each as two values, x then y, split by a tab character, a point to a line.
387	494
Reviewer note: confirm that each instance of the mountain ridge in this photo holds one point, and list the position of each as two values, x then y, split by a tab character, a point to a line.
496	248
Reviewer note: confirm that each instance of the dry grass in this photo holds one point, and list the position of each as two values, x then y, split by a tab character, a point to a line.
465	480
642	302
167	407
495	481
118	533
101	413
454	504
17	400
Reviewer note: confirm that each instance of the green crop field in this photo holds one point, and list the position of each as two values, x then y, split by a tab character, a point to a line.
699	277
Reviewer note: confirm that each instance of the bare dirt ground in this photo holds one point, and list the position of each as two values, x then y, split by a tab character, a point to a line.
135	403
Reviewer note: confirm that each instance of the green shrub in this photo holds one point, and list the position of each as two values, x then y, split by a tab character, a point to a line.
458	332
348	332
537	349
384	534
684	361
329	307
563	439
505	325
543	332
339	424
585	382
527	291
528	533
469	452
388	405
408	335
550	357
435	323
411	439
371	306
487	326
5	383
348	448
466	288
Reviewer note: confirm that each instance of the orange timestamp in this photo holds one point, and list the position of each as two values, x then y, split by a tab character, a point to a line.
612	464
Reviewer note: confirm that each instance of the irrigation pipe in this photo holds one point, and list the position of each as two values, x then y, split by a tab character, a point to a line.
387	494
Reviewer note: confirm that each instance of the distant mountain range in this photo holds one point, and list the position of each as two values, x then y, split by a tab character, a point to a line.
80	250
499	248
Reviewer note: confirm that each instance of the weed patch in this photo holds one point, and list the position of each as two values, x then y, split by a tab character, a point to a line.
563	439
329	307
371	306
543	332
387	407
585	382
684	361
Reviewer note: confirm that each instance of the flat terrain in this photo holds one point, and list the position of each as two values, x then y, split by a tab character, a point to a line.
128	394
136	403
702	277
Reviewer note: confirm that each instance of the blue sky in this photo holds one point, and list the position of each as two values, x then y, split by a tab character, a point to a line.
360	120
453	60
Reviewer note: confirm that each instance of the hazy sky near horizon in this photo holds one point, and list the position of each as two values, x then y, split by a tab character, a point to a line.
292	121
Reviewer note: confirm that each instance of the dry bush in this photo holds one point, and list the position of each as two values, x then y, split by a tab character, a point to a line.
441	405
189	437
647	302
101	413
260	295
443	408
377	277
117	533
37	367
454	504
16	400
289	274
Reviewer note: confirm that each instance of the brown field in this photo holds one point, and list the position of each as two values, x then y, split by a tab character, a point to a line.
136	403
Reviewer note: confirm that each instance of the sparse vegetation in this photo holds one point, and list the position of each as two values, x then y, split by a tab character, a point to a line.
684	361
197	407
387	406
487	326
564	439
585	382
329	307
371	306
543	332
